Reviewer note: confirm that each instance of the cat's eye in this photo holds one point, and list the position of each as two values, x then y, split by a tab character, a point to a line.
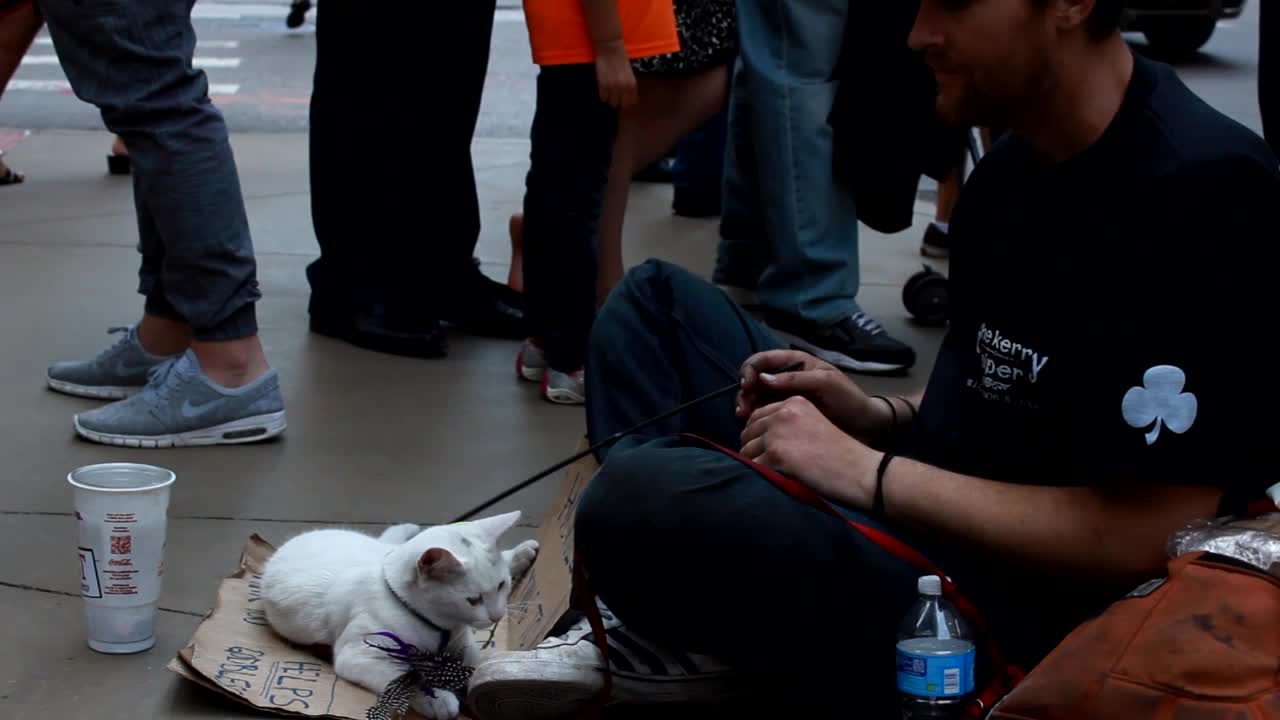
475	601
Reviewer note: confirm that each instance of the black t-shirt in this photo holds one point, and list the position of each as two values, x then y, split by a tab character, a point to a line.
1108	311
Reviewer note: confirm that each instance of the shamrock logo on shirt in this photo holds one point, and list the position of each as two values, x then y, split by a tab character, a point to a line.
1160	400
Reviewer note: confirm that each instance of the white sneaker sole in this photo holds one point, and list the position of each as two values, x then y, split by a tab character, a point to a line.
840	360
246	430
103	392
511	688
562	396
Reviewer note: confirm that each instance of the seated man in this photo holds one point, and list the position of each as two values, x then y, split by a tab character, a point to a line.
1091	396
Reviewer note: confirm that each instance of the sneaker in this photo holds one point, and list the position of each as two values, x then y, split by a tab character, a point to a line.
856	343
531	362
116	373
180	406
936	242
564	388
563	674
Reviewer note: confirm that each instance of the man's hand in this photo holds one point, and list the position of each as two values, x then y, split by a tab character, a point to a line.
822	384
797	440
615	77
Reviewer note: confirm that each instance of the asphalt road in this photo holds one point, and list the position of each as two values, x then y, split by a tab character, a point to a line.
260	73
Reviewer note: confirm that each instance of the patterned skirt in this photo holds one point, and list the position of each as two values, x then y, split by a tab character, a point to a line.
708	31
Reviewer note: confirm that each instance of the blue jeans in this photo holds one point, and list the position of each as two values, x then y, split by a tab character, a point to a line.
789	230
696	551
133	61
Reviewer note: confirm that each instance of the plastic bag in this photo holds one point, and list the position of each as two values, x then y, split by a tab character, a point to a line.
1255	541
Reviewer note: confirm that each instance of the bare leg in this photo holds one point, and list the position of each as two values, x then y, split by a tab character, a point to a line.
232	363
670	107
949	194
162	336
118	148
17	31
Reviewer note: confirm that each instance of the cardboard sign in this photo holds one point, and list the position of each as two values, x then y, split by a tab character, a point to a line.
235	652
546	589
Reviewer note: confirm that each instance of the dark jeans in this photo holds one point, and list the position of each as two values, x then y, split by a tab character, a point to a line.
571	148
133	61
393	190
694	550
1268	73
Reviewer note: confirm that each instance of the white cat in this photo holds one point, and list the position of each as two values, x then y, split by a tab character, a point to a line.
336	587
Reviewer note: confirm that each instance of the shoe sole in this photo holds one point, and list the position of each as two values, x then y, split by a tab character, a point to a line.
540	690
236	432
403	348
560	396
840	360
935	252
99	392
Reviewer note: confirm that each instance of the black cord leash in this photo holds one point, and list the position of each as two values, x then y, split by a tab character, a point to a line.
609	441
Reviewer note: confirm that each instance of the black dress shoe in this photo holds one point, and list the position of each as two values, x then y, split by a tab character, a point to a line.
481	306
380	329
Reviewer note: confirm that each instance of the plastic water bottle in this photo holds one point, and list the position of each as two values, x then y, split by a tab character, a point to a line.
935	657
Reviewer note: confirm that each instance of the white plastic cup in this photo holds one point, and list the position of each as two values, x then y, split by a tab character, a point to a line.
122	510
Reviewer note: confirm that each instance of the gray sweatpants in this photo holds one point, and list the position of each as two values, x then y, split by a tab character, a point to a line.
132	59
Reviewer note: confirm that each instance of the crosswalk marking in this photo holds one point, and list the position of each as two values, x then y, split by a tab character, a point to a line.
200	62
203	44
65	87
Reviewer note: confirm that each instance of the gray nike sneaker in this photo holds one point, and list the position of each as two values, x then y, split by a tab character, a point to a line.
180	406
116	373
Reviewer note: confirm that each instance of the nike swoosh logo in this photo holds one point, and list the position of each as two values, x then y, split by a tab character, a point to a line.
124	369
190	410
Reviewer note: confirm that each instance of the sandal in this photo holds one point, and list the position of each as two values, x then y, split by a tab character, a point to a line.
119	163
297	13
9	176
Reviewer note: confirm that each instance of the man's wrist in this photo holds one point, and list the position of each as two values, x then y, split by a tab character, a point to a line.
894	414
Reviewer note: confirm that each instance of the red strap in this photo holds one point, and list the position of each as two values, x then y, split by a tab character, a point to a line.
587	600
1006	676
1261	507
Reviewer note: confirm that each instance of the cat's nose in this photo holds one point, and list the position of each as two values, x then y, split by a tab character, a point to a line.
496	617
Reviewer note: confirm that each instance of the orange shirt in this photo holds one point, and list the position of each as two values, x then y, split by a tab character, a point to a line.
559	35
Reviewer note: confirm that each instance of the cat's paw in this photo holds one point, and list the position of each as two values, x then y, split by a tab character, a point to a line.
522	557
444	706
400	534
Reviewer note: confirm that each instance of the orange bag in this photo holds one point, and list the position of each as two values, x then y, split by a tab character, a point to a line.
1201	644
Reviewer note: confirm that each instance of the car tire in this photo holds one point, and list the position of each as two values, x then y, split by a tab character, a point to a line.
1178	38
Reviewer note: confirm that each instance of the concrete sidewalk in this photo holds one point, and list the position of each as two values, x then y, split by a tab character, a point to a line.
373	439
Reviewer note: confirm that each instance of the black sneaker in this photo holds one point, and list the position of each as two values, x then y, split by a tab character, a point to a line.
936	243
856	343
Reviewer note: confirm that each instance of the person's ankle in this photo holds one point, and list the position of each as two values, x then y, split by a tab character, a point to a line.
232	363
163	337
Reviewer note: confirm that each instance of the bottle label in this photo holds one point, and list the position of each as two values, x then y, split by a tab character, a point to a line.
928	675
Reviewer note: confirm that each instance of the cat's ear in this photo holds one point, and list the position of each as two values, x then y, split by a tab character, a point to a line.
438	564
495	527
